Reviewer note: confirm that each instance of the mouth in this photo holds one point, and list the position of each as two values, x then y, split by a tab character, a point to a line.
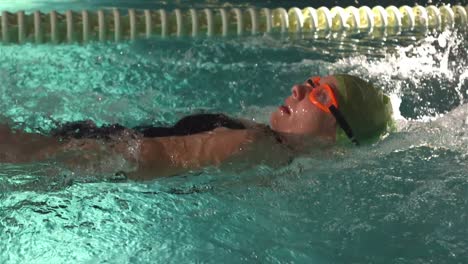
285	110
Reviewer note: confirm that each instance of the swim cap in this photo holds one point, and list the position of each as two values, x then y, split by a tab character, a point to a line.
366	109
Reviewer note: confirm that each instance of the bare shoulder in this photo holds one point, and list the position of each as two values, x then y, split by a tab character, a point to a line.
165	156
198	149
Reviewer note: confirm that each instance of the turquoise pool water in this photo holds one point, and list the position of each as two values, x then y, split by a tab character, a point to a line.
402	200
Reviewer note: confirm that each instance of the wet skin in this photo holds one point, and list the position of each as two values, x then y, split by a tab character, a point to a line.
299	116
165	156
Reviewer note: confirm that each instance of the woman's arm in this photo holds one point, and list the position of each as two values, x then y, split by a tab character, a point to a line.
17	146
143	158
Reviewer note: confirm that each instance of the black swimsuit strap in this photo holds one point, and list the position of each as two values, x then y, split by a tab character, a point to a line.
192	124
86	129
188	125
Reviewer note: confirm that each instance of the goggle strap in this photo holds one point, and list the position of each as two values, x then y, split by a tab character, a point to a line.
343	124
314	82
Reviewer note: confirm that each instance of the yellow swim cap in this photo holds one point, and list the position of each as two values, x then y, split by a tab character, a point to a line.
367	109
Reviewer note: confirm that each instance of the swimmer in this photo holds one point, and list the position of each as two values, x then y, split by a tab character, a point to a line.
322	111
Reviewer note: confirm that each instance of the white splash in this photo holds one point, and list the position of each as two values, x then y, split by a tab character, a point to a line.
396	102
408	66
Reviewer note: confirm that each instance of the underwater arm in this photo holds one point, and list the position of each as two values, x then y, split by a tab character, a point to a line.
155	157
17	146
145	158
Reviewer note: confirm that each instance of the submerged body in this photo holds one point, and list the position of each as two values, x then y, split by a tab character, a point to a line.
312	116
146	157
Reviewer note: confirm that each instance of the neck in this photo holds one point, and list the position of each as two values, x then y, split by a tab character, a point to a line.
300	143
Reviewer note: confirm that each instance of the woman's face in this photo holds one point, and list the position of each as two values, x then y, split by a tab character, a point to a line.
299	116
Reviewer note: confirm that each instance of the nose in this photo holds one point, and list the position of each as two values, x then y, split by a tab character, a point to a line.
298	92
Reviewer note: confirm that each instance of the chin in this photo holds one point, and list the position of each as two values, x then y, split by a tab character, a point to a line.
273	125
275	119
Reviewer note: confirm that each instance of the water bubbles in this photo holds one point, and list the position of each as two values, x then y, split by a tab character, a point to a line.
442	40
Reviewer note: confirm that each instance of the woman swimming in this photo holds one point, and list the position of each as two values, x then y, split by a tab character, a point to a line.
319	112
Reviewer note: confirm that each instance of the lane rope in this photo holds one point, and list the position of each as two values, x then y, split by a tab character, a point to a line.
118	25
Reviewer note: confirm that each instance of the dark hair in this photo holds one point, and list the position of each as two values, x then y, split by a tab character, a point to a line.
188	125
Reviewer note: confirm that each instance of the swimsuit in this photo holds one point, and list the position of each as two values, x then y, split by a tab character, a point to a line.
188	125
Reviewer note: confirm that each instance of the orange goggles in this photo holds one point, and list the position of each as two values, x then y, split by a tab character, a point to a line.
324	98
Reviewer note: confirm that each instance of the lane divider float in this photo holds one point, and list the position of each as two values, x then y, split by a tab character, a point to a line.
118	25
